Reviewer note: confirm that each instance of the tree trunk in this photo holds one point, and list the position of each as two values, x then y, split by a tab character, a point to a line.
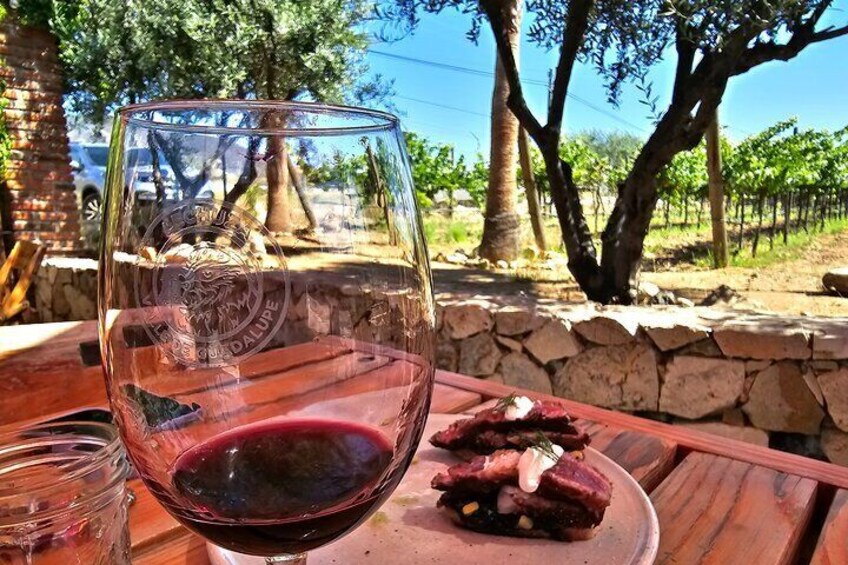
787	216
701	211
716	194
773	221
667	212
278	218
296	177
501	231
760	203
530	190
277	173
741	235
685	211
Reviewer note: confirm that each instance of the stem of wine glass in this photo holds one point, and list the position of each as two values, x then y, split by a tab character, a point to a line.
298	559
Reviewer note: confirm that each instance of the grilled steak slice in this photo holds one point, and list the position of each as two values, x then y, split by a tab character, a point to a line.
490	430
482	495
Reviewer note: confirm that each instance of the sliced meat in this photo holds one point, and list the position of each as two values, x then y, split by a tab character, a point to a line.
481	474
575	480
490	430
482	495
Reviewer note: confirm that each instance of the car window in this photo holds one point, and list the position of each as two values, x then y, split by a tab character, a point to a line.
98	154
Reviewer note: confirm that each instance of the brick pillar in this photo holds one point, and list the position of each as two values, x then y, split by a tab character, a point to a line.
39	187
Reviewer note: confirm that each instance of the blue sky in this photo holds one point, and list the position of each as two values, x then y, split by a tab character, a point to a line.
813	86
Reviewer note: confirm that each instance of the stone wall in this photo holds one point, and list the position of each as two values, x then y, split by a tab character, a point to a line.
762	378
38	199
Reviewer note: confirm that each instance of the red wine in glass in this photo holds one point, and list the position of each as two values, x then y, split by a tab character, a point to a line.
281	486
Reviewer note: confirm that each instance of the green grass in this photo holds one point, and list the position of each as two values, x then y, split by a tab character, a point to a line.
676	245
797	243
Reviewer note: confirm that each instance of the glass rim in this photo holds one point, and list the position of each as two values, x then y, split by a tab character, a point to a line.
110	448
381	121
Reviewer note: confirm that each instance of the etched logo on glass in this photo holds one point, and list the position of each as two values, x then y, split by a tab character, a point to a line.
212	283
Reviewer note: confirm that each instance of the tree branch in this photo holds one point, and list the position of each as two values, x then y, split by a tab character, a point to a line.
686	49
576	22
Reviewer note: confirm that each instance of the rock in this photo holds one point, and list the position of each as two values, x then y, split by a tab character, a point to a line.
464	320
552	341
509	343
733	417
813	385
648	289
620	376
834	443
781	401
61	307
756	366
676	336
836	281
823	366
81	306
834	345
519	371
695	387
516	322
723	294
685	302
501	264
740	433
457	258
316	313
478	355
834	386
447	358
762	340
606	330
703	348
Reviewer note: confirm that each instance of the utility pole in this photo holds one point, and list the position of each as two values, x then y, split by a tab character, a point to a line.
716	190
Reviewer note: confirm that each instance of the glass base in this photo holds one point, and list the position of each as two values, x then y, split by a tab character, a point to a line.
221	556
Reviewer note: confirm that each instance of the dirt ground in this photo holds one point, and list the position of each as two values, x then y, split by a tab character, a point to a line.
793	287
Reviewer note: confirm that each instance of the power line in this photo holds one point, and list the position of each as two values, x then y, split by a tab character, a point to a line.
445	106
480	72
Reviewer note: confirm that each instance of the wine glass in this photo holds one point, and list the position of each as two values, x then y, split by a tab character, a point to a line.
266	315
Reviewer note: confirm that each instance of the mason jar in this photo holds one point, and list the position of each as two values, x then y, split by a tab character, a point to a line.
63	496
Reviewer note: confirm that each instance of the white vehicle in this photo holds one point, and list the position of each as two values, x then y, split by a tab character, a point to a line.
88	161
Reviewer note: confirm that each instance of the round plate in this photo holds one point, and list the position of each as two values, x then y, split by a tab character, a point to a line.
409	528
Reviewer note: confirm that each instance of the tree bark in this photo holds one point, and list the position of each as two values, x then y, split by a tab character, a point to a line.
533	206
787	216
501	231
760	203
716	194
296	177
278	218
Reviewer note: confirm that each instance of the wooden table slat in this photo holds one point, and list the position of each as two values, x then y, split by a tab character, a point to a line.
717	510
832	547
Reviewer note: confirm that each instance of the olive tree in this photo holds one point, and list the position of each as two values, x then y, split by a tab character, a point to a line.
713	41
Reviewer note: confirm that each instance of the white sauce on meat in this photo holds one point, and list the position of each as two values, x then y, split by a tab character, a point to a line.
520	407
533	463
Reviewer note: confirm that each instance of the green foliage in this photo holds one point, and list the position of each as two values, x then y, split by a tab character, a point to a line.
435	169
685	177
35	13
115	52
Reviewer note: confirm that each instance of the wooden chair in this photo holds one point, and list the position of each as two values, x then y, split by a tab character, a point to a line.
23	262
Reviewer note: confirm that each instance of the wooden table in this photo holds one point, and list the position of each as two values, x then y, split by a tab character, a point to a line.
718	500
